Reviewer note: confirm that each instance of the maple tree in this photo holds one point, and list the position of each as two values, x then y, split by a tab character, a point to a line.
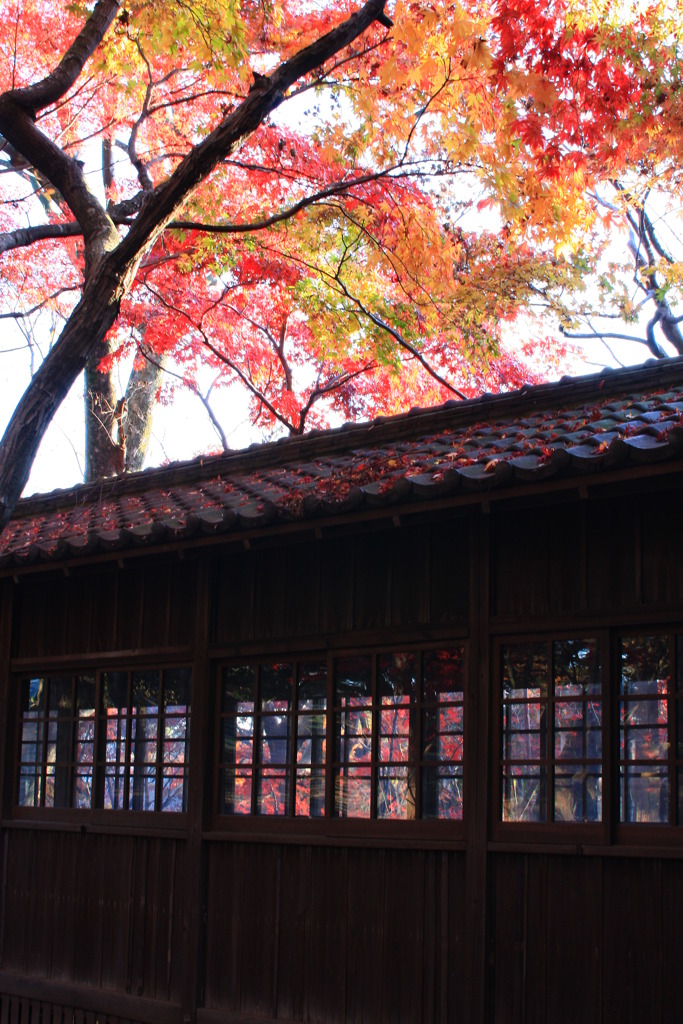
447	168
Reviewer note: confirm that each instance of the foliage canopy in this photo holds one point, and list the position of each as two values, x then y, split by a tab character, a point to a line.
439	169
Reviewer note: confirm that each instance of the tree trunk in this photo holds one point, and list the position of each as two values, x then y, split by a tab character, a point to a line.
141	395
103	455
110	262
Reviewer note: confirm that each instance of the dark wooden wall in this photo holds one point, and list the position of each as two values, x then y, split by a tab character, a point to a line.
328	934
344	930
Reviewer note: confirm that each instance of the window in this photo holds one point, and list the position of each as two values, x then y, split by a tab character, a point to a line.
273	727
391	747
111	740
552	732
650	730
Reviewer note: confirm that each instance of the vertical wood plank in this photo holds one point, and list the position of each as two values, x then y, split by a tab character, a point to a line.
302	607
293	938
129	594
574	950
401	940
632	942
365	936
336	585
156	604
270	593
449	571
509	935
409	554
233	590
612	554
329	935
373	573
672	915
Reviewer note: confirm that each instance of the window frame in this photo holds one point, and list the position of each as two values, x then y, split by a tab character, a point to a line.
449	830
668	833
610	832
97	813
550	831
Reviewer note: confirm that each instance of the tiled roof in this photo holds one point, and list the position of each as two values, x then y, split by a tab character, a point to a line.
570	427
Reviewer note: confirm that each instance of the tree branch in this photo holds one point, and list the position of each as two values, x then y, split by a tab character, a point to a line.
400	340
58	82
27	236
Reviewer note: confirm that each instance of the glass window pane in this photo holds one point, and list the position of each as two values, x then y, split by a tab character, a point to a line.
442	791
525	671
276	687
396	793
644	729
645	665
578	793
578	729
115	690
236	791
32	708
353	735
576	665
397	678
311	739
310	791
177	691
353	682
353	792
442	733
238	689
443	674
174	789
644	794
524	731
524	797
398	717
273	790
145	693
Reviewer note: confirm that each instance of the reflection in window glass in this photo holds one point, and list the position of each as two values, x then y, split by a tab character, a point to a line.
275	718
273	738
311	737
442	733
414	715
525	696
238	696
552	732
644	729
397	676
388	727
353	737
94	741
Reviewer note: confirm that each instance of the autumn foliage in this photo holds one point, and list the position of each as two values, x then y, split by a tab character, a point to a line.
365	249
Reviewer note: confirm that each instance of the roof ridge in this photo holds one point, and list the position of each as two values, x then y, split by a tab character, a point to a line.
383	429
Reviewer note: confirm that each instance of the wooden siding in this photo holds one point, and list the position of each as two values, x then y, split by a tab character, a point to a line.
382	580
335	934
588	939
95	610
97	910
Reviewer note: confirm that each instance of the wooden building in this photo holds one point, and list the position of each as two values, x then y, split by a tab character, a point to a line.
380	725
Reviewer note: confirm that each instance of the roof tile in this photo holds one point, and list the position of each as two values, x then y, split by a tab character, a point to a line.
573	426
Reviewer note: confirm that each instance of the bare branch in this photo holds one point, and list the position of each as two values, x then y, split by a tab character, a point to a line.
28	236
400	340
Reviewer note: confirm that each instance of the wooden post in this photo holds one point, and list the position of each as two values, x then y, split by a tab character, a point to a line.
6	744
199	809
478	773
